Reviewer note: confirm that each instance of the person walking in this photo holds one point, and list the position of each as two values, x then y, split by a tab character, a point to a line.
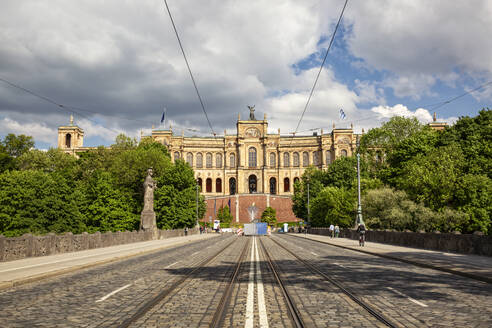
337	231
332	230
361	229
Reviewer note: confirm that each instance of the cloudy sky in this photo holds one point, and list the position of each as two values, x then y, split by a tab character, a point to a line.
117	63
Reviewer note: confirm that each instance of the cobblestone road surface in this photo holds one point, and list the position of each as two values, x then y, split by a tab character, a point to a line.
106	295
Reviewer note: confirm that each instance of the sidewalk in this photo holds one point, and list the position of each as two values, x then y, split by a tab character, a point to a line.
471	266
27	270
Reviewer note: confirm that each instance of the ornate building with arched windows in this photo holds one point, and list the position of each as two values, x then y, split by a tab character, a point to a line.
250	167
253	160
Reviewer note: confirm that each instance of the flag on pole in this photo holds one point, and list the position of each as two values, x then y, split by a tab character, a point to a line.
163	115
342	114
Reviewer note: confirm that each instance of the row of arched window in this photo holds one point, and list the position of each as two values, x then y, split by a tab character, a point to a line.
252	159
251	185
208	159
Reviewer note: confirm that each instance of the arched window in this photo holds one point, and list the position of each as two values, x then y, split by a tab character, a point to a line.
232	186
176	155
328	157
208	160
252	183
232	160
272	159
218	185
343	153
252	157
218	160
189	159
296	180
286	160
199	183
315	158
209	185
273	186
286	185
199	160
68	140
295	159
305	159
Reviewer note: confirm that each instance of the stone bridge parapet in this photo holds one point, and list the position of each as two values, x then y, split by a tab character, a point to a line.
28	245
477	244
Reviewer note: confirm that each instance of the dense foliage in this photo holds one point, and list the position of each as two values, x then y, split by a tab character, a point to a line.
225	216
412	177
269	216
52	191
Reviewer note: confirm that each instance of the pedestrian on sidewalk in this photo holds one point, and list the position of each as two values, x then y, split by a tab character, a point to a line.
332	230
186	231
337	231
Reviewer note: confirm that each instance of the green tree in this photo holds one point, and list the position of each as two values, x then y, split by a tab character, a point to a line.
106	207
333	206
269	216
175	197
17	145
38	202
225	217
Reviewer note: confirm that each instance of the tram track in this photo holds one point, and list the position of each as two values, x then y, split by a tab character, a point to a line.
163	294
293	311
358	300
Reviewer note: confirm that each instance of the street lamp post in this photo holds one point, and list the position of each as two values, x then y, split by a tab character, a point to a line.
197	225
359	219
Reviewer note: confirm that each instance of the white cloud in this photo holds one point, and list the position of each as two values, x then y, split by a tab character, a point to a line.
421	114
39	131
419	41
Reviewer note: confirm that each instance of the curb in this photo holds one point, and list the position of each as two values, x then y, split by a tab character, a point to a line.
22	281
416	263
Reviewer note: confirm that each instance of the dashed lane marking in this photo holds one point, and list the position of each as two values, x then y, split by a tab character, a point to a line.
314	253
112	293
409	298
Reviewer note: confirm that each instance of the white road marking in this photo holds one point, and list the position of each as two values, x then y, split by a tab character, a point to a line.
170	265
338	264
195	253
409	298
314	253
249	322
262	313
112	293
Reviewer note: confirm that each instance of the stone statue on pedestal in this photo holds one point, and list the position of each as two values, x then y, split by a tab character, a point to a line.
147	217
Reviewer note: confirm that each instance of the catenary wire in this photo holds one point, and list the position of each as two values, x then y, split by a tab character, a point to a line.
60	106
321	67
189	69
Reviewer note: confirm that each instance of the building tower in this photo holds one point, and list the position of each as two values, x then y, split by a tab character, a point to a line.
70	137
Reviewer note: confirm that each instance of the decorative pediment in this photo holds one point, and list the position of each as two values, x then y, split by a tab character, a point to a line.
252	133
343	140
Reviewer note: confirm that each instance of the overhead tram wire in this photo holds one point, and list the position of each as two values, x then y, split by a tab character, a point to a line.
58	105
432	106
189	69
320	69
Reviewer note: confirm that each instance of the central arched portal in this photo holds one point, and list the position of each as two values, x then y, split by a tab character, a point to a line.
252	183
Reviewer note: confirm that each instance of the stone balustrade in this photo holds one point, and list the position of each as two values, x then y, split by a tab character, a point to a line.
28	245
476	243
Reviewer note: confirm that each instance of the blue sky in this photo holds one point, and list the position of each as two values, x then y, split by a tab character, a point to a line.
119	64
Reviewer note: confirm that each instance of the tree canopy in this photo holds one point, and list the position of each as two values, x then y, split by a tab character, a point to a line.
50	191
